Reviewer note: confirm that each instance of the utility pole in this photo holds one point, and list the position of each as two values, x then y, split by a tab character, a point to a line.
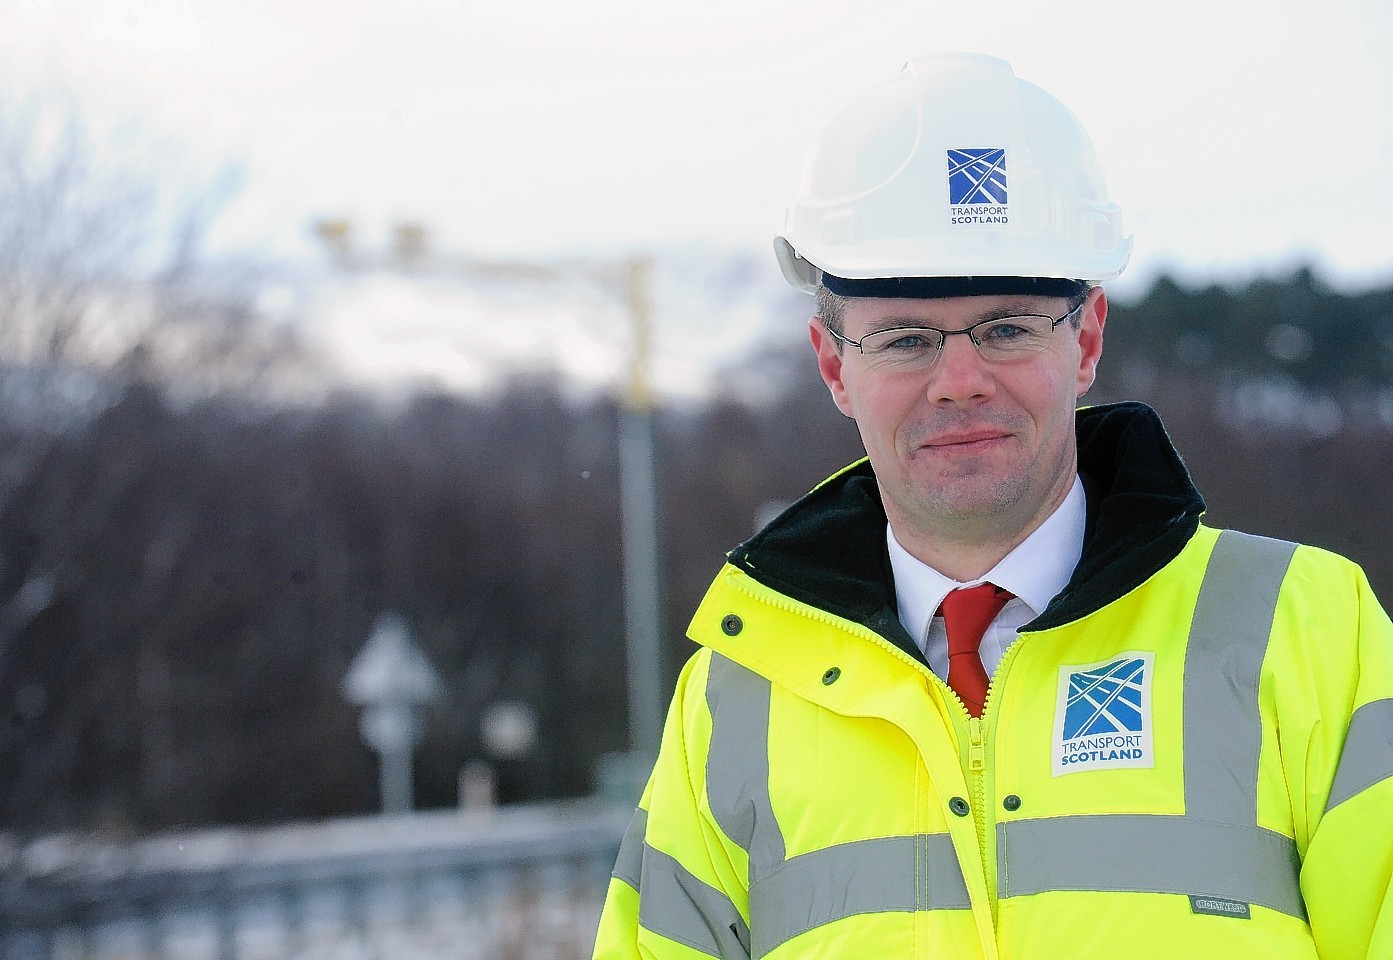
639	519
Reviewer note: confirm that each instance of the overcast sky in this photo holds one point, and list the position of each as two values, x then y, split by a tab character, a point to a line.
1241	137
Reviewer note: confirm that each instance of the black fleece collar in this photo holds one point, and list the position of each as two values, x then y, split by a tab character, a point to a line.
828	549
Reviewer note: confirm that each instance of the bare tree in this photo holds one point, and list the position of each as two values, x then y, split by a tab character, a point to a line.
102	264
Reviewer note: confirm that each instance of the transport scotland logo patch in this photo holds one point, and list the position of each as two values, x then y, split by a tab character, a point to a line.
1102	717
977	186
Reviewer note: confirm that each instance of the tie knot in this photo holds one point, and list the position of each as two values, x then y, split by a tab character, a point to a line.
967	612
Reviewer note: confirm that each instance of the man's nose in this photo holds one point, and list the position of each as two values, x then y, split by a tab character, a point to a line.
960	375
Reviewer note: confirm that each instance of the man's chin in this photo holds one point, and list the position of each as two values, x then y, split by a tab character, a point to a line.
970	499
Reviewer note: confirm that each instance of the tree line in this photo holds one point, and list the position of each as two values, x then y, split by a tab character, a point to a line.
184	582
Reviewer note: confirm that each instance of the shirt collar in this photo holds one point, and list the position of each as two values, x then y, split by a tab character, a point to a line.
1035	571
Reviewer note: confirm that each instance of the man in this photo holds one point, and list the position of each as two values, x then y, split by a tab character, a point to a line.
996	692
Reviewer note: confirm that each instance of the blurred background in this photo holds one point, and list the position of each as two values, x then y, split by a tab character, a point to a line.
381	385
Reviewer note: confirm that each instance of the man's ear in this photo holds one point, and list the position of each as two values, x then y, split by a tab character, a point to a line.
829	364
1092	317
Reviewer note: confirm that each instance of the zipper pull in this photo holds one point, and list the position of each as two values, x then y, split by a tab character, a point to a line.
977	748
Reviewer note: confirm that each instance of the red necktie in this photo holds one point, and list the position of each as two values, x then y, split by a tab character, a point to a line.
966	614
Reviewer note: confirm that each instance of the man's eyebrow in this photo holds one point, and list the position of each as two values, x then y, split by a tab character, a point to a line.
995	313
895	323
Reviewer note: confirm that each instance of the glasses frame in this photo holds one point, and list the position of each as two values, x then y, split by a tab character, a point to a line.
943	335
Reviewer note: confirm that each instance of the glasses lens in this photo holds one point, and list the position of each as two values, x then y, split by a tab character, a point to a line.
1008	337
903	347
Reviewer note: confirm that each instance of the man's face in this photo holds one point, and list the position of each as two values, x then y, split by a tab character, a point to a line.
966	450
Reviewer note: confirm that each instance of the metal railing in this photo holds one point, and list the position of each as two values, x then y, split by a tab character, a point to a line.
516	883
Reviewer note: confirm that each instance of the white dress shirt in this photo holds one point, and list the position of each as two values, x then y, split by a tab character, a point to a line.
1034	571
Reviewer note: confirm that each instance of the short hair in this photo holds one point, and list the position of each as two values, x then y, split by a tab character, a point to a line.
831	307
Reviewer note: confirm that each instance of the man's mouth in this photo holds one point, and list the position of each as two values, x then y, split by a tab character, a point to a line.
966	441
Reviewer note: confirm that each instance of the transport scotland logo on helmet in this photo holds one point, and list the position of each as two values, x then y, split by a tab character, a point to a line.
1102	718
977	187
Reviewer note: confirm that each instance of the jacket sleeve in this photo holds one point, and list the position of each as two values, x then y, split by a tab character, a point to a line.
677	891
1347	871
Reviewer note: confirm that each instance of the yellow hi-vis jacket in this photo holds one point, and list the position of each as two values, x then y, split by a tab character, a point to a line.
1188	754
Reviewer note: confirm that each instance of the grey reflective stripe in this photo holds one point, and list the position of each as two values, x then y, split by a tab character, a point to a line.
1150	854
1216	849
866	876
1367	757
629	864
1223	662
737	763
676	905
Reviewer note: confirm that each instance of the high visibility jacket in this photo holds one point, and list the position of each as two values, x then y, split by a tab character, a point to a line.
1188	754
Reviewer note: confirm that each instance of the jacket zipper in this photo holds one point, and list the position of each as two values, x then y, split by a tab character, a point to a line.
977	728
977	768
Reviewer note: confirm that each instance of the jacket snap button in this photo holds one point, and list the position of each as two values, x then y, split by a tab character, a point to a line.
830	677
959	806
1011	802
732	625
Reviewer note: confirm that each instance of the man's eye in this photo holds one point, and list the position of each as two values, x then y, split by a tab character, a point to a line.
1005	330
908	342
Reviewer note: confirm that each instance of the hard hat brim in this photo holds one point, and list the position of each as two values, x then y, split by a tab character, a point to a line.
933	288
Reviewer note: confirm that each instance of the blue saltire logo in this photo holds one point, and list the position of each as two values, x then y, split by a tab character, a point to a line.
977	176
1106	700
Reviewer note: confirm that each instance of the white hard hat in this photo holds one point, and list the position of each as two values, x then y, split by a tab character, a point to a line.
954	169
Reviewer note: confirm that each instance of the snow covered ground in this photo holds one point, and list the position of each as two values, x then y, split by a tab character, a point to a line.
461	325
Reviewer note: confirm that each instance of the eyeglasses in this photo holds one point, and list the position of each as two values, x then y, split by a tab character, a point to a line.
998	340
